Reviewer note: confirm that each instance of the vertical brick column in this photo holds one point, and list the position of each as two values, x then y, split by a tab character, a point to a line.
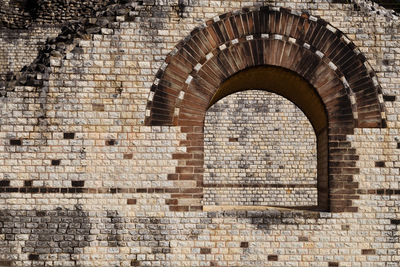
342	168
188	177
322	169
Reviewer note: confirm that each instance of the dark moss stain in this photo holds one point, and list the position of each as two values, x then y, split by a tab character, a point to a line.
114	227
152	232
4	183
69	135
263	220
51	232
392	235
55	162
15	142
111	142
77	183
33	257
6	263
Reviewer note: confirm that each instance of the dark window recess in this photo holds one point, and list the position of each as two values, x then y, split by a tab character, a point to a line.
244	244
72	190
55	162
28	183
78	183
395	221
15	142
41	213
233	139
205	250
33	257
272	257
389	98
9	237
398	145
32	7
69	135
333	264
4	183
131	201
11	190
379	164
110	142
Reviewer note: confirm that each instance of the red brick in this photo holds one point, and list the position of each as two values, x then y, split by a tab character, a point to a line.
244	244
178	208
368	251
182	156
194	163
272	257
128	156
171	201
173	176
196	208
186	176
131	201
184	169
205	250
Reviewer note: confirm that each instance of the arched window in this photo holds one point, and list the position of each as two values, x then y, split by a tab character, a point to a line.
259	150
296	55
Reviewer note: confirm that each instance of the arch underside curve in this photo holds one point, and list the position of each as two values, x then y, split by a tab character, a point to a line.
189	80
267	36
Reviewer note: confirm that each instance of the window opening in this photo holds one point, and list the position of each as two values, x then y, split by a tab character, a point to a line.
259	150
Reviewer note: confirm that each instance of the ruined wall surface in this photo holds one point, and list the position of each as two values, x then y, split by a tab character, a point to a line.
259	149
21	14
83	182
19	47
25	25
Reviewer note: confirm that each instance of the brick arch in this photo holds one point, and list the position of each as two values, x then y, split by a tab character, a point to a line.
303	44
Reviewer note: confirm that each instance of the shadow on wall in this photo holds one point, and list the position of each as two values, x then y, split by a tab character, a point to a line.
43	234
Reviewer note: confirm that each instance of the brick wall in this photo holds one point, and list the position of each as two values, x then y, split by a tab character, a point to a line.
19	47
83	181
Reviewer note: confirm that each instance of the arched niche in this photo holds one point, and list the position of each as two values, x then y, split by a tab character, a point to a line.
263	41
259	150
296	89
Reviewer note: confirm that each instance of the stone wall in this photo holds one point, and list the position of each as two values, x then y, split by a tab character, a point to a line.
259	149
20	47
21	14
84	182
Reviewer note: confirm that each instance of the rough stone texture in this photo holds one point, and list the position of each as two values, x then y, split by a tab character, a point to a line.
24	13
258	147
19	47
42	236
74	147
